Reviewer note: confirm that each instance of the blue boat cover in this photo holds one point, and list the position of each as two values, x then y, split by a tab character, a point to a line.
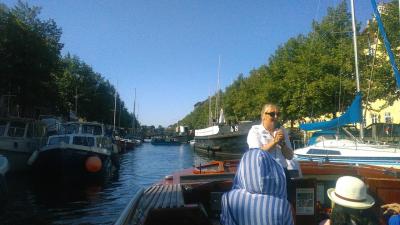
258	195
352	115
387	43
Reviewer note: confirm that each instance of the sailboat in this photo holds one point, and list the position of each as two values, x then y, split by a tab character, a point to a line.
219	138
352	150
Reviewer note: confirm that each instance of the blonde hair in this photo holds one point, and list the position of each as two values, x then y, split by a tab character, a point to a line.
266	106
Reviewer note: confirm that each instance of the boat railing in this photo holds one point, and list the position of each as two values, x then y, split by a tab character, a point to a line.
130	209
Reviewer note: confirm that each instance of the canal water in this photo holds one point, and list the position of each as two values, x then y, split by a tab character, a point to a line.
31	201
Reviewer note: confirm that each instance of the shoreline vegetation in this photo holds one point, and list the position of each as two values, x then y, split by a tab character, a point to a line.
310	75
37	80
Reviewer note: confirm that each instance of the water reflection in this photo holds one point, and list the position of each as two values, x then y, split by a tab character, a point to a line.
34	201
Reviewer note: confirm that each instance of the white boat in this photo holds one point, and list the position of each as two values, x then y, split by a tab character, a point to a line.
19	139
351	150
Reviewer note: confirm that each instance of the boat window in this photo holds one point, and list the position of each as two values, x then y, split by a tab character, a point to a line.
103	142
17	129
36	130
29	133
3	125
92	129
58	140
85	141
71	128
323	152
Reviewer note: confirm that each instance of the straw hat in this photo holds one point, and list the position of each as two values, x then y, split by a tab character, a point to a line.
351	192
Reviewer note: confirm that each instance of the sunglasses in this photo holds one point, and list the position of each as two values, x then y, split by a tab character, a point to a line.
273	114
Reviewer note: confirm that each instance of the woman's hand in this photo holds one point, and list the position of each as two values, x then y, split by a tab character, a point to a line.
279	137
391	209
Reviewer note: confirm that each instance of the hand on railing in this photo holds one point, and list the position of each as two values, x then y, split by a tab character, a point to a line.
391	209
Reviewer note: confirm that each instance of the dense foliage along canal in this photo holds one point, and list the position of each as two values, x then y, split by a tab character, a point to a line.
31	201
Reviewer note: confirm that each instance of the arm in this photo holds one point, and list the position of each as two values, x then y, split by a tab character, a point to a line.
286	149
253	140
270	146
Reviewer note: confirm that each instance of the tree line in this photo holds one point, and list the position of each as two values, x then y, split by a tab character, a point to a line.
313	74
36	79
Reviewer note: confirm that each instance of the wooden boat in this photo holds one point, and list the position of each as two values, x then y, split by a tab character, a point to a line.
193	196
124	144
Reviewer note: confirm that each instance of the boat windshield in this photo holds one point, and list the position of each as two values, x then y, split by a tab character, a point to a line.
92	129
17	129
59	140
82	140
72	128
323	152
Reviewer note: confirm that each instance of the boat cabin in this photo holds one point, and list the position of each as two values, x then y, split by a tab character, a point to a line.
21	128
83	134
96	129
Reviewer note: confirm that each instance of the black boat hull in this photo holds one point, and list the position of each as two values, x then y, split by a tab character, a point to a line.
71	163
230	141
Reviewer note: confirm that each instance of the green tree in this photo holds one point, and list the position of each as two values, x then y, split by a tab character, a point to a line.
29	57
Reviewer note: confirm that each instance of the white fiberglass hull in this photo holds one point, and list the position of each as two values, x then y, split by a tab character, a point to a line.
346	151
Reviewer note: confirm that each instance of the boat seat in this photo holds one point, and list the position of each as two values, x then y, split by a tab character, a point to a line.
164	196
164	204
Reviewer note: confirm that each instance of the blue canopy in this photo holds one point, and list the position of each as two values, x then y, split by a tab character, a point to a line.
352	115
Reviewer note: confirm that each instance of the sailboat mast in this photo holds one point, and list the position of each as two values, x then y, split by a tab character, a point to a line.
115	107
134	115
353	20
217	96
209	111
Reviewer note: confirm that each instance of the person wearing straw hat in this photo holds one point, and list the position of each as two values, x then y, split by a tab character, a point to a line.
350	203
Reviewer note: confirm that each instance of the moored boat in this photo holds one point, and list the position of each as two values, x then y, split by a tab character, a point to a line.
125	144
353	151
347	151
80	150
19	139
165	141
223	139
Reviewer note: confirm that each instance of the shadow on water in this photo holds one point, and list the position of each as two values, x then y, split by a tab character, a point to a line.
34	200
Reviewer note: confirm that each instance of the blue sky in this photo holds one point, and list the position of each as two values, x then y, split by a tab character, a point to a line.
168	49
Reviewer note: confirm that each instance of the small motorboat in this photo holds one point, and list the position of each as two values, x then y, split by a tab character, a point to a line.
193	195
81	150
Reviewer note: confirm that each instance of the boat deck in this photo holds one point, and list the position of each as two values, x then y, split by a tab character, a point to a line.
164	204
193	196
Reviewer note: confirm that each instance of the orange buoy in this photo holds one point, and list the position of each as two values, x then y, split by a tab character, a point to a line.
93	164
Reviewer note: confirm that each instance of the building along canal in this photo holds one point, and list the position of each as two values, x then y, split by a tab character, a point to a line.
34	201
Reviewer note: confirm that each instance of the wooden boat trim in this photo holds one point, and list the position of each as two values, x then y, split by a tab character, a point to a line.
130	208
